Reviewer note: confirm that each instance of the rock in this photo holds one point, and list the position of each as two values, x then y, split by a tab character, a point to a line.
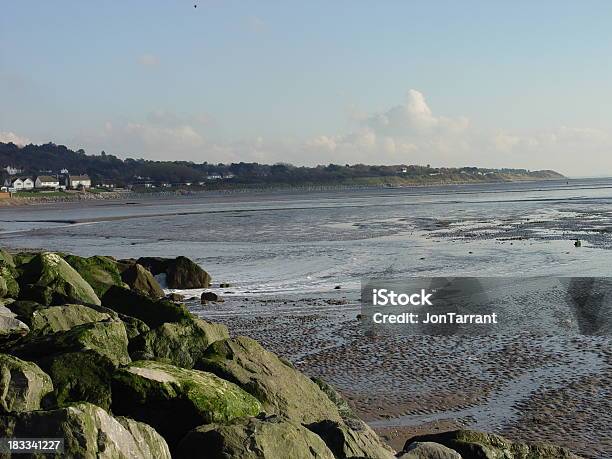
8	280
11	329
151	311
351	439
209	296
179	344
100	272
49	272
253	438
225	285
133	326
175	400
23	385
428	450
83	376
181	272
337	287
107	338
141	280
577	243
22	258
280	388
176	297
152	444
45	320
470	443
6	258
88	432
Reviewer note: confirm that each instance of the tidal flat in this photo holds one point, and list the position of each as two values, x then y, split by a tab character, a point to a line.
284	254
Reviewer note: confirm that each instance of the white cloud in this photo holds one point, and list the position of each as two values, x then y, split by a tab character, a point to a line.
148	60
11	137
408	133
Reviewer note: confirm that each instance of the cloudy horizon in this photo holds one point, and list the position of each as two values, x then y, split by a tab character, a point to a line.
400	84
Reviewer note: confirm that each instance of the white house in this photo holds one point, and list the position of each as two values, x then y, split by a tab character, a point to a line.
214	177
11	170
19	183
47	181
79	181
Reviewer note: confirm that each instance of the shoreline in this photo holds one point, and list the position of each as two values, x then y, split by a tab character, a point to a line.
118	196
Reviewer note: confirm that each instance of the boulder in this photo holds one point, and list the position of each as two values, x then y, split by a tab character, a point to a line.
428	450
106	338
141	280
253	438
351	439
8	280
151	311
278	386
175	400
133	326
100	272
88	432
22	258
6	258
11	328
209	296
46	320
181	344
470	443
83	376
23	385
176	297
181	272
48	274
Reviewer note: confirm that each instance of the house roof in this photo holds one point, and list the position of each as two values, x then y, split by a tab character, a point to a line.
79	177
21	178
47	178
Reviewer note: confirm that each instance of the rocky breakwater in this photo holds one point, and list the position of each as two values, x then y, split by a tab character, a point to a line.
92	353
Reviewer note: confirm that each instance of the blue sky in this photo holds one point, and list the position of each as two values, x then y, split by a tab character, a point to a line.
494	84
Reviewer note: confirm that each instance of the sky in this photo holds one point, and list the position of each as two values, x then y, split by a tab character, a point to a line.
473	83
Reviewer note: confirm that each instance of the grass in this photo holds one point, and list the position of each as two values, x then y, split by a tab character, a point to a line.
36	194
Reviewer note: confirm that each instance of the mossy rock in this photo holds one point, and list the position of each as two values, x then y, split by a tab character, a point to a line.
100	272
474	444
175	400
351	439
12	329
141	280
253	438
23	258
429	450
46	320
88	432
181	344
83	376
279	387
23	385
181	272
133	326
49	272
107	338
8	280
151	311
6	258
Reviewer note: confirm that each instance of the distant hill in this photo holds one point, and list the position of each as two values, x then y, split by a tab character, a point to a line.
52	159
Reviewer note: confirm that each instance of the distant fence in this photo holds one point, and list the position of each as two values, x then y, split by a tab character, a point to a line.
5	195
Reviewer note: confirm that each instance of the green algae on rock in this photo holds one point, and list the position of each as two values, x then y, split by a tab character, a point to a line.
141	280
151	311
279	387
181	344
23	385
50	274
88	432
471	443
175	400
254	438
99	271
